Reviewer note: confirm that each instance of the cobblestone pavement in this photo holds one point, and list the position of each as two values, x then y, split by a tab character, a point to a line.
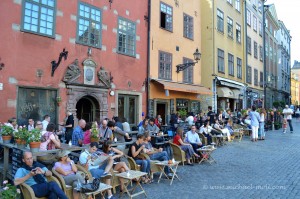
264	169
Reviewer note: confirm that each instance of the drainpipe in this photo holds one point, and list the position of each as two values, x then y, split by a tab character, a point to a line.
148	60
246	55
264	58
213	53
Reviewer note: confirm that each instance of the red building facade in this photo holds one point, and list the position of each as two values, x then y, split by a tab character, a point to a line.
98	50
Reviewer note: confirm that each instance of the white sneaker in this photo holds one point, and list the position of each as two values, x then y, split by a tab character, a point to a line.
284	131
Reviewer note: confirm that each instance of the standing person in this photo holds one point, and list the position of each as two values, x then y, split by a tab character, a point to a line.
87	133
284	125
190	119
45	122
30	126
69	127
33	174
118	123
263	114
77	135
158	121
211	115
287	112
118	135
254	116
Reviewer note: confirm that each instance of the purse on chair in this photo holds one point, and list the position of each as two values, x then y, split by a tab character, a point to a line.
90	187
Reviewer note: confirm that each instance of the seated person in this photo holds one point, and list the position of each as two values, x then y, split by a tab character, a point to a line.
152	128
33	174
206	131
87	133
118	134
229	126
186	147
224	131
144	126
115	154
68	170
134	151
155	154
192	137
87	158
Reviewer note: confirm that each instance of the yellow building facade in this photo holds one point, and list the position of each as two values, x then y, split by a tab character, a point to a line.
294	89
223	52
175	34
254	52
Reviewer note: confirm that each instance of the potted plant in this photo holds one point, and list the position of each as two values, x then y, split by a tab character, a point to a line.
21	136
244	112
277	125
9	191
94	133
34	140
182	113
6	132
58	100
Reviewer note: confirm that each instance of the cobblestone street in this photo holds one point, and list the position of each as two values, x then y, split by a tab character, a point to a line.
265	169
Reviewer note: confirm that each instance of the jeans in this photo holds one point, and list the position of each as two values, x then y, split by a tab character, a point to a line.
189	151
51	190
73	179
290	125
262	129
195	147
145	165
161	156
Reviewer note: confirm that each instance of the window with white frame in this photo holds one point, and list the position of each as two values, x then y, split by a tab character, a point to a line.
230	64
89	25
239	67
188	26
248	17
166	17
249	45
254	23
249	75
238	33
126	36
221	61
188	72
38	17
260	28
237	5
255	50
220	21
165	65
230	27
229	1
260	53
255	77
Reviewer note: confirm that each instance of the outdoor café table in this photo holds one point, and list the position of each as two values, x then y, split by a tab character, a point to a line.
206	152
128	177
219	139
102	188
239	133
173	167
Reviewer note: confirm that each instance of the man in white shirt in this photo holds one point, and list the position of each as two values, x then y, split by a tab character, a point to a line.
190	120
45	122
31	124
192	137
287	112
97	171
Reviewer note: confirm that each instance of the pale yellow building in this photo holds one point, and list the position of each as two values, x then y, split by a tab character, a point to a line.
223	52
254	52
175	34
294	89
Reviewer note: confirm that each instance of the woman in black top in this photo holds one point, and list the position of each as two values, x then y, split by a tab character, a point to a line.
69	127
135	150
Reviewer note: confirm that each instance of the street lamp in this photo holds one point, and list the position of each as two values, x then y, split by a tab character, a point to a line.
197	57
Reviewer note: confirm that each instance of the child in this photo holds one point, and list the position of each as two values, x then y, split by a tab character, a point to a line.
284	125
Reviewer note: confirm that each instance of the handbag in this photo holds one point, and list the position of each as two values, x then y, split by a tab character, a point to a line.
91	187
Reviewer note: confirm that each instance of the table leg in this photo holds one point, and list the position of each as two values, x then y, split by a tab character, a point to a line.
162	171
174	173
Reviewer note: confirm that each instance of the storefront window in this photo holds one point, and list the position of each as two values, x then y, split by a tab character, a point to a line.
127	108
34	103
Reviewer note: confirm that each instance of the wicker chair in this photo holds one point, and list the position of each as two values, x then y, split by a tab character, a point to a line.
66	188
203	139
178	154
28	193
153	167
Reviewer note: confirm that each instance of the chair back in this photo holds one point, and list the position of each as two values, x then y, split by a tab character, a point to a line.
60	179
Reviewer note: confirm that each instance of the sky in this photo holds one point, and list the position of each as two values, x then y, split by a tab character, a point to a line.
287	11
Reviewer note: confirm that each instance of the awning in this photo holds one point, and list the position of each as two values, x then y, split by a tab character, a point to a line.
236	93
188	88
230	83
225	92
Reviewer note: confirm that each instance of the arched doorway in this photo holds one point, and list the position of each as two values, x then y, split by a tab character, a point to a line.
88	108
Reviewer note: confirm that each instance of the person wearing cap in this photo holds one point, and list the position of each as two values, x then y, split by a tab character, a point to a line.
68	170
287	112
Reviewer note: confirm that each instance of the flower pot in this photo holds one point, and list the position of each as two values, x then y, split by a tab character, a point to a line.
34	146
21	143
94	139
6	139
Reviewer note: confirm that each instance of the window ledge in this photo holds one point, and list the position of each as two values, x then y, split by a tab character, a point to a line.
171	31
